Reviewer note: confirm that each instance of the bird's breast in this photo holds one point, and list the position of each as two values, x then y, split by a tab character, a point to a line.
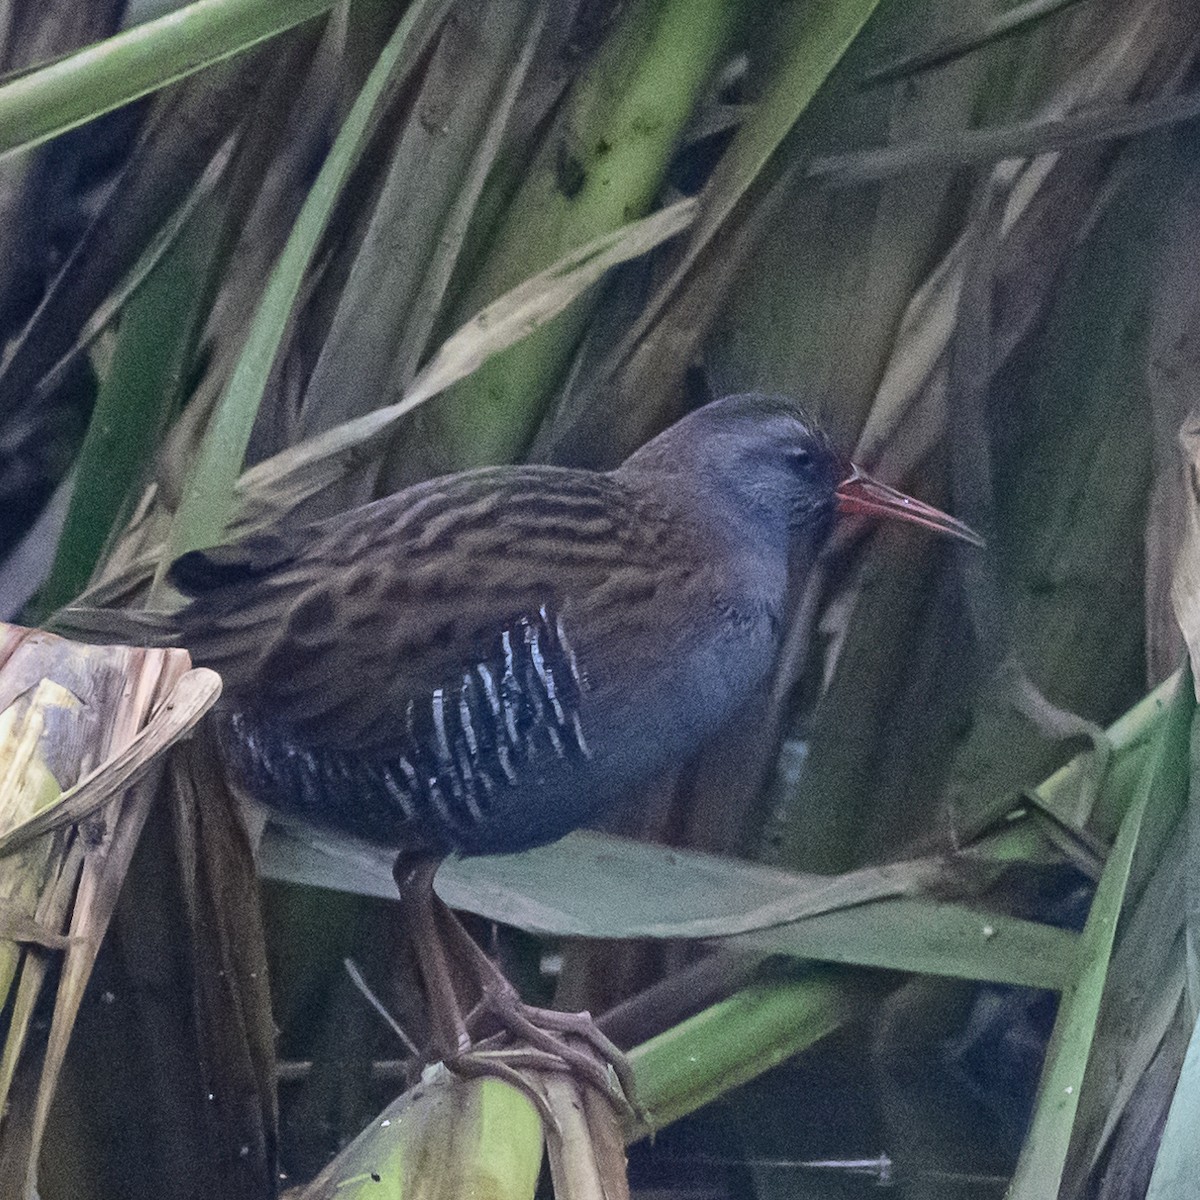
659	703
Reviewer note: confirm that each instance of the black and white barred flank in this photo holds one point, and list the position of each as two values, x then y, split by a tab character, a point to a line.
454	772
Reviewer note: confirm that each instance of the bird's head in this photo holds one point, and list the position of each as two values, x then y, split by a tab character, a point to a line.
772	466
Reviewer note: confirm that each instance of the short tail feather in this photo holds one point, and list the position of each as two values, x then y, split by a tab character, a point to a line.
127	626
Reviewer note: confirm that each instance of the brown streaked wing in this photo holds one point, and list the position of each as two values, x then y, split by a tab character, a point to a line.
383	604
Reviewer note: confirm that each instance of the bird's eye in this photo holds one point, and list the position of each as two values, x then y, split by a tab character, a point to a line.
801	458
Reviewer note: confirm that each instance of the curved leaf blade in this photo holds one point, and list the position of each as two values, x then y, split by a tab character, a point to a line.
85	85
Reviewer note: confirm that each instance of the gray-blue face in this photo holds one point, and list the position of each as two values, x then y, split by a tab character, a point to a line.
755	460
768	458
785	466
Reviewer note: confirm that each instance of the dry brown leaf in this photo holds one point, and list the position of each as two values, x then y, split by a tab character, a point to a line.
586	1150
190	698
77	706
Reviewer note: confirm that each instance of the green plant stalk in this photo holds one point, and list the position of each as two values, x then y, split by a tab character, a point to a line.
1131	738
600	166
738	1039
951	47
395	287
1040	1168
450	1137
1178	1163
137	400
208	495
816	41
82	86
849	268
445	1138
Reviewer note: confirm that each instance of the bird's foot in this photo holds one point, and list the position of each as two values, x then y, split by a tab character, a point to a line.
503	1029
519	1035
501	1035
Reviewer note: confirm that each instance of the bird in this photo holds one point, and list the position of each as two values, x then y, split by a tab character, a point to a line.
483	662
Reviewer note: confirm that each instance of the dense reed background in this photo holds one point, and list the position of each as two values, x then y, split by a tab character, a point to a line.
278	257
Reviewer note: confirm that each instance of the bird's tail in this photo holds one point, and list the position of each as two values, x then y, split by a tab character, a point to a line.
127	626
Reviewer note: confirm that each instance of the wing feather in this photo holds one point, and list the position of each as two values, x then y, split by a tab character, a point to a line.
338	629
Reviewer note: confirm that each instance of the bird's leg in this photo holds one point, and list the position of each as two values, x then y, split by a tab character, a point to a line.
414	879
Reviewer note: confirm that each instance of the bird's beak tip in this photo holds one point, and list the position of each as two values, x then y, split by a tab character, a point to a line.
861	493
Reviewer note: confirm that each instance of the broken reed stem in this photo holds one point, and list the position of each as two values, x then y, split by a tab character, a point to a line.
71	714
